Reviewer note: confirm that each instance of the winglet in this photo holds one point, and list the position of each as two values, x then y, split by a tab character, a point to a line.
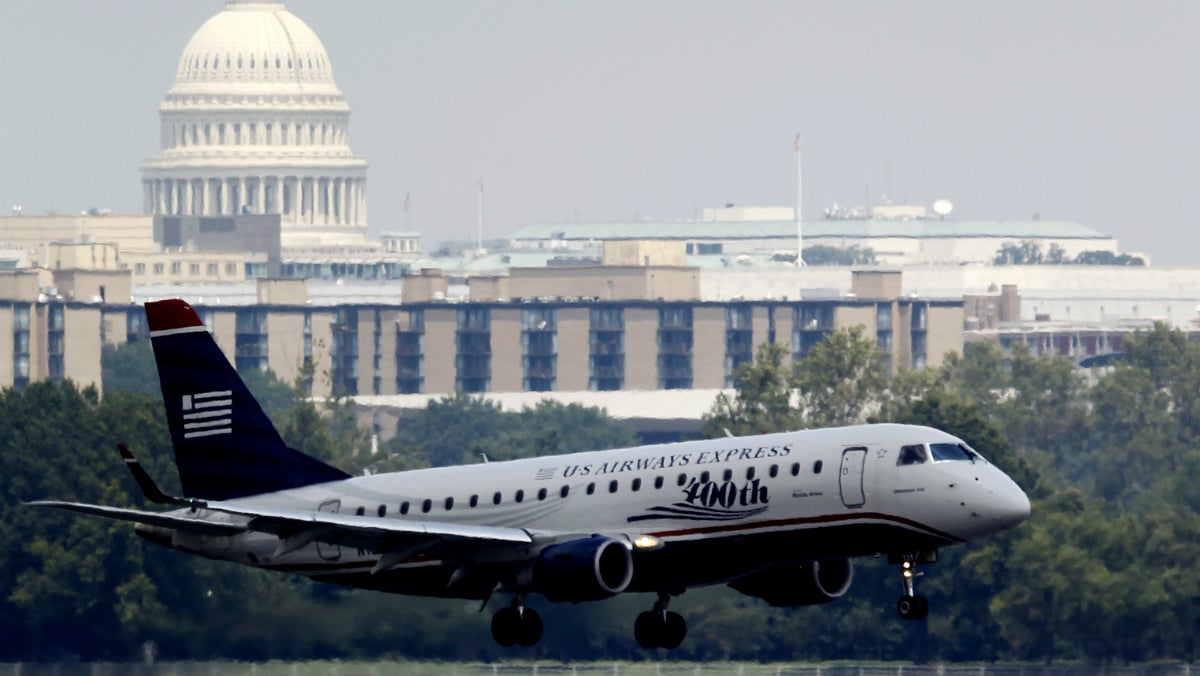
151	490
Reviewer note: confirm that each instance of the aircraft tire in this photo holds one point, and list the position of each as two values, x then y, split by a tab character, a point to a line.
912	607
674	630
506	624
648	630
529	632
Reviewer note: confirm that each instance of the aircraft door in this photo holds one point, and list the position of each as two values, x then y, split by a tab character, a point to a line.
851	476
327	551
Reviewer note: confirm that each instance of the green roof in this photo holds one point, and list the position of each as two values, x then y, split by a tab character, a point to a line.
920	229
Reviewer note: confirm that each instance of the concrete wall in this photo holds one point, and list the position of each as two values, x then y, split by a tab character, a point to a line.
708	348
945	333
441	325
81	345
574	350
641	348
507	372
285	344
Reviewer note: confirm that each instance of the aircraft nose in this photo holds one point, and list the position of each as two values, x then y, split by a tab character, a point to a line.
1011	506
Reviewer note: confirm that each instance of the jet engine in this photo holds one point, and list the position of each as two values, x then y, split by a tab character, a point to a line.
803	585
580	570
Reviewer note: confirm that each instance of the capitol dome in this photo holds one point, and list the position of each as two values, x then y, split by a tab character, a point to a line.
254	123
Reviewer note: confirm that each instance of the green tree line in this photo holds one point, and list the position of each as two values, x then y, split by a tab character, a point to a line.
1106	569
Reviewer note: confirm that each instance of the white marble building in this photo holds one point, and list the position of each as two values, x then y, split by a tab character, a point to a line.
255	123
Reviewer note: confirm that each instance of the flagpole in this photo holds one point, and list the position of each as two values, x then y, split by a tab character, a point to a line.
479	235
799	204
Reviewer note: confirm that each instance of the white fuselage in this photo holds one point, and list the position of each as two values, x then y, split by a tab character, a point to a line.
830	493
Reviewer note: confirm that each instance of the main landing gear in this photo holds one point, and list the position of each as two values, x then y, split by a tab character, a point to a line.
659	628
517	625
912	606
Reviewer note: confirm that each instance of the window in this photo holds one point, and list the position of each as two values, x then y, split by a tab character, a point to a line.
542	494
404	507
564	491
817	467
496	497
194	269
681	480
176	267
951	452
158	268
728	475
231	269
213	269
795	469
591	488
636	484
749	472
474	500
520	496
449	504
612	486
658	482
139	268
911	455
774	471
360	511
426	506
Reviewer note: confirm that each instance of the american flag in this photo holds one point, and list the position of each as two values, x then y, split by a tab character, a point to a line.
545	474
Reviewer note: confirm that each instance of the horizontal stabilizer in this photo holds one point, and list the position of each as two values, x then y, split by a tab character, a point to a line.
174	520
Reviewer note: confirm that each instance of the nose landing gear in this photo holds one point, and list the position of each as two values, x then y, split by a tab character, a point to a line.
517	624
912	606
659	628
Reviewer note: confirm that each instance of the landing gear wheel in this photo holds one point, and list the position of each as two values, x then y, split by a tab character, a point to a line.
530	630
647	630
912	607
505	626
673	631
659	628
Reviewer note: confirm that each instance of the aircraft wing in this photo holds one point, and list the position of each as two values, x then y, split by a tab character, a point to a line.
174	520
369	533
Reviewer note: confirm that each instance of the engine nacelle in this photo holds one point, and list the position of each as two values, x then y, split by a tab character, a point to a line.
803	585
581	570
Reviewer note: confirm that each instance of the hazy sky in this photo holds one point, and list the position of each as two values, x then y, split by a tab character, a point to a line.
1085	110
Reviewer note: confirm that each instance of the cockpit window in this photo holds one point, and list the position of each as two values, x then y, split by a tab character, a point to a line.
952	452
912	455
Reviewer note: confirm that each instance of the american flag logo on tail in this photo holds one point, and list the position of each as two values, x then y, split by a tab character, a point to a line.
207	413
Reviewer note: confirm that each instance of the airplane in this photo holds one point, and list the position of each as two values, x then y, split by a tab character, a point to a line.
774	516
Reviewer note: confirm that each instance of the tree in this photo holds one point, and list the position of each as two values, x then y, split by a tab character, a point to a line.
841	379
763	399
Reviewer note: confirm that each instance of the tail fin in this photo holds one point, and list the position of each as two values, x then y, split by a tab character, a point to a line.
225	446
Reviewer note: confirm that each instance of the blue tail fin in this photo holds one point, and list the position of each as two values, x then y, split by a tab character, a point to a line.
225	446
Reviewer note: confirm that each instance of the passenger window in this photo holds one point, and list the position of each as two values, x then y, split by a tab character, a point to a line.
426	506
542	494
496	498
562	493
728	474
449	504
382	510
636	484
404	507
591	488
681	480
911	455
658	482
817	467
774	471
520	496
749	472
474	500
704	477
360	511
612	486
795	469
